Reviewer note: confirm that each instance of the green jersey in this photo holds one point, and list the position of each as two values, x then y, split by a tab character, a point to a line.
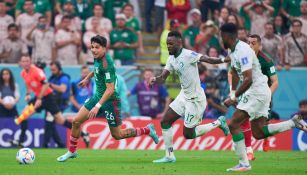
134	24
40	6
104	72
292	7
267	66
191	33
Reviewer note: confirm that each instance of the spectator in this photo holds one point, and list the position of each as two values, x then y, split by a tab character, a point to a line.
279	27
9	96
207	37
112	7
302	109
60	83
149	6
290	9
193	30
133	23
42	7
173	26
242	34
96	30
123	41
303	18
235	20
295	45
42	36
203	75
206	6
214	69
5	20
160	11
122	91
12	48
234	5
10	7
67	43
178	10
150	99
79	93
260	16
224	13
214	108
271	44
27	21
105	24
69	10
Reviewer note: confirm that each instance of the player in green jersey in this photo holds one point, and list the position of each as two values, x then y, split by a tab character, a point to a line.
105	101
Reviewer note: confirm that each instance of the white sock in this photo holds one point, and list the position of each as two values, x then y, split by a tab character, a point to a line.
241	152
202	129
280	127
168	142
249	149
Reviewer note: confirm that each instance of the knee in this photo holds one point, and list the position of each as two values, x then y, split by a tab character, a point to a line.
233	126
188	135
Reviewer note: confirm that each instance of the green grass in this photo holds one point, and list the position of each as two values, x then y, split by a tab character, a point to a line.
123	162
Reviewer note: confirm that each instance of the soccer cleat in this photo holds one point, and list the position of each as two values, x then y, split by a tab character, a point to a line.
240	167
165	160
299	122
224	125
86	138
265	145
250	156
153	133
66	156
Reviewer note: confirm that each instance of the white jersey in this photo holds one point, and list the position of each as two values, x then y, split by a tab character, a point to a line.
244	58
26	23
5	21
185	66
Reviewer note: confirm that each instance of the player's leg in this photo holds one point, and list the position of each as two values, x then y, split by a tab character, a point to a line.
246	129
238	138
81	117
167	133
266	144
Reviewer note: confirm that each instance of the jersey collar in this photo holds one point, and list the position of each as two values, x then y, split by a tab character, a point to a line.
234	47
176	55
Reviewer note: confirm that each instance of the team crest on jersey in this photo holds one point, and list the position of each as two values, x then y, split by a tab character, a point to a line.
244	60
96	70
194	54
125	35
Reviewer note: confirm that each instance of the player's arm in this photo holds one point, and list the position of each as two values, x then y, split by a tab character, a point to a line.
247	82
274	85
214	60
62	87
159	79
86	80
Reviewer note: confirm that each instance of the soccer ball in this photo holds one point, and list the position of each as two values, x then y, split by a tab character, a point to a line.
25	156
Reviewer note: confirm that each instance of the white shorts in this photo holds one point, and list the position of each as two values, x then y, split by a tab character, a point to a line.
192	111
256	104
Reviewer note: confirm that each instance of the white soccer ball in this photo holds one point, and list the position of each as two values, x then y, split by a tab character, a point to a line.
25	156
8	100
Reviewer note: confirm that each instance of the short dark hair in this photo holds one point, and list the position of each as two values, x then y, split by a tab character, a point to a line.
84	67
13	25
128	5
269	23
102	41
57	64
296	20
175	34
42	17
303	102
230	29
97	4
148	69
242	28
256	36
66	17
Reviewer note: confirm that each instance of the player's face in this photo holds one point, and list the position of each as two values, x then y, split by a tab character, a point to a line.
97	50
6	75
254	44
25	62
225	41
173	45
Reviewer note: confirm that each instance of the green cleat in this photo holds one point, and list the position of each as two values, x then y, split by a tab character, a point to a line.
66	156
165	160
153	133
224	125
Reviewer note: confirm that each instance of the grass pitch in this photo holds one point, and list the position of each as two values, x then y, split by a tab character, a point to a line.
123	162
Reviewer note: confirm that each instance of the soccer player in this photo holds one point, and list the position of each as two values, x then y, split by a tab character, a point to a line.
36	81
255	97
105	101
268	69
191	101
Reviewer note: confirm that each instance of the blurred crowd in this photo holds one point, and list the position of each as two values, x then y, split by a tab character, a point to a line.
57	33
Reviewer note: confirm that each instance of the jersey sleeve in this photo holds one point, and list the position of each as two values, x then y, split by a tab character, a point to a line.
168	65
194	57
271	69
246	60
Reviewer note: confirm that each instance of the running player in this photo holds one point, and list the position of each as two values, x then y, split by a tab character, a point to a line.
191	101
255	97
105	101
36	81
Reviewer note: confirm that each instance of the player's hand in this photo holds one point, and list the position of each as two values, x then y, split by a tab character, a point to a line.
83	83
28	97
93	113
152	81
38	103
228	102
